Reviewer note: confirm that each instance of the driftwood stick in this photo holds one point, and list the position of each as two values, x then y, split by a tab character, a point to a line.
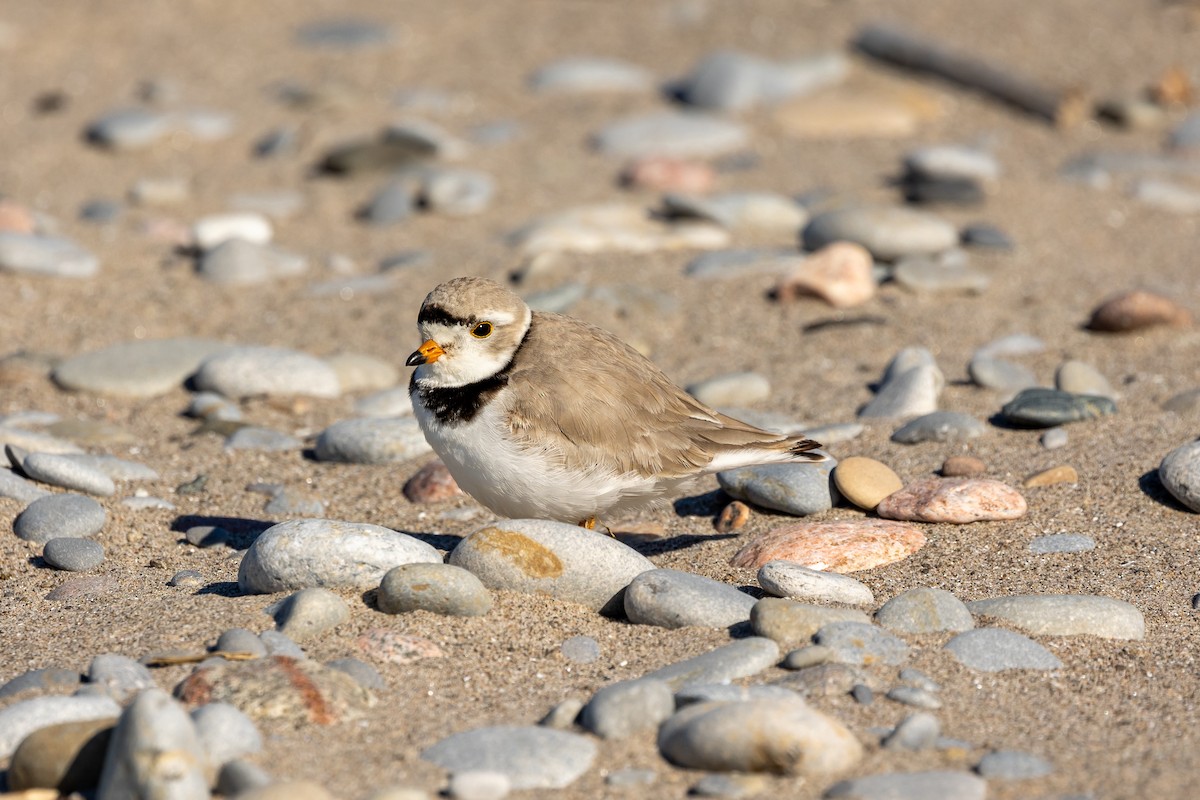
899	47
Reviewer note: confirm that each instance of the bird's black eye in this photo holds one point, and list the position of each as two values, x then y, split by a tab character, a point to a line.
482	330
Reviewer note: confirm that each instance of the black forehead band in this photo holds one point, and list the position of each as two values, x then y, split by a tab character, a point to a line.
437	314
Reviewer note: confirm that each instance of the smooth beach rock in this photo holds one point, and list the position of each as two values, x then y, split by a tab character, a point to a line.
1049	477
764	211
1179	471
945	785
957	500
47	256
138	368
210	231
952	161
791	624
865	481
992	372
798	582
67	756
439	588
670	133
741	262
225	733
627	707
1135	310
943	273
939	426
1078	377
919	731
615	227
996	649
669	598
839	273
532	757
728	80
584	74
553	558
1065	615
925	610
118	676
739	659
274	371
374	440
304	553
888	232
908	393
1013	765
1046	408
238	262
963	467
790	738
799	489
432	483
309	613
58	470
14	487
21	719
860	643
55	515
839	546
47	680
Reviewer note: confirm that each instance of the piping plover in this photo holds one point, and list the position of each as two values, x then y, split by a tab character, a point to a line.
539	415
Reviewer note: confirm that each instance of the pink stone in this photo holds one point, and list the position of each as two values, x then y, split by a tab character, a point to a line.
665	174
955	500
840	546
839	274
16	218
432	483
389	646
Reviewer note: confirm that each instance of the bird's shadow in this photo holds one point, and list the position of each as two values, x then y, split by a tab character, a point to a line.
1152	486
439	541
222	589
242	531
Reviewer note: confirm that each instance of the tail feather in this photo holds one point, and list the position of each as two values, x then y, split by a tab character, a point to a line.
783	451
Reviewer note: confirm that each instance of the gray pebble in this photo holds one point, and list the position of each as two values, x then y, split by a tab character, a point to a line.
740	263
1065	615
119	676
225	733
669	598
859	643
531	757
344	34
101	211
35	441
1179	471
395	202
982	234
940	426
1054	438
48	680
362	672
1062	543
919	731
119	469
252	371
138	368
732	389
627	707
924	273
53	516
207	536
737	210
727	785
810	656
740	659
915	696
456	192
862	694
395	402
440	588
952	161
309	613
733	81
729	693
57	470
241	640
563	715
186	579
910	393
1013	765
915	677
911	786
1045	408
1078	377
791	623
153	725
992	372
372	441
14	487
479	784
996	649
829	679
129	128
668	133
580	650
925	610
280	644
262	439
889	232
798	489
796	581
215	407
629	777
239	262
50	256
73	554
21	719
582	74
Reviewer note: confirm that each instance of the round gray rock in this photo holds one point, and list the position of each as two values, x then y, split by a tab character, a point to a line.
372	441
136	368
225	733
239	262
939	426
797	489
119	676
669	598
439	588
739	659
316	552
309	613
999	374
531	757
50	256
995	649
73	554
252	371
50	517
889	232
859	643
627	707
1180	473
591	75
925	610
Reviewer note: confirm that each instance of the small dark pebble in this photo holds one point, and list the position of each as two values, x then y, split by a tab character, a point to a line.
207	536
955	191
732	517
194	486
863	694
981	234
101	211
186	579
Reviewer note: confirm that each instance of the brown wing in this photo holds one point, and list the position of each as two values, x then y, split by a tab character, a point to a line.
595	401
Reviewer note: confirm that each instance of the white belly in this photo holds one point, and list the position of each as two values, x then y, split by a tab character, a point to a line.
527	483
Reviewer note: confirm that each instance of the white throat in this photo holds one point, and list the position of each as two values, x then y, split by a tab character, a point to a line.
467	360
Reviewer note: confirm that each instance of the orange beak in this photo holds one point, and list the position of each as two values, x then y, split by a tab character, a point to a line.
427	353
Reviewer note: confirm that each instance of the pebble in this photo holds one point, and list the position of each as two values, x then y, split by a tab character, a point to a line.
531	757
798	582
238	262
67	756
160	192
913	392
225	733
432	483
49	256
344	34
790	738
1054	438
207	536
309	613
1079	377
1046	408
732	389
240	640
963	467
251	437
948	272
213	407
14	487
73	554
740	263
939	426
58	470
361	372
739	659
951	191
119	469
669	598
911	786
580	650
21	719
983	234
729	693
614	227
563	715
917	696
888	232
552	558
630	777
363	673
865	481
862	694
733	517
1136	310
241	779
996	649
1065	615
840	273
1062	543
374	440
479	785
48	680
732	81
622	709
455	192
854	114
274	371
1179	472
582	74
956	500
118	676
861	643
670	133
438	588
764	211
919	731
84	587
304	553
790	623
216	229
154	752
798	489
834	546
1013	765
186	579
925	610
57	515
952	161
999	374
129	128
665	174
1050	477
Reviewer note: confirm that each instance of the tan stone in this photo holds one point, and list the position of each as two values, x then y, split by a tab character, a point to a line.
847	116
865	481
963	467
1064	473
839	274
1138	309
792	624
957	500
839	546
67	756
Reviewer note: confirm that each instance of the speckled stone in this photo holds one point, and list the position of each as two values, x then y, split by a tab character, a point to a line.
939	426
957	500
439	588
838	546
798	489
861	643
73	554
1065	615
669	598
1179	471
925	610
996	649
59	515
790	623
798	582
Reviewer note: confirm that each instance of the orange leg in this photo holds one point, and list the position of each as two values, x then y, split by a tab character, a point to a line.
589	523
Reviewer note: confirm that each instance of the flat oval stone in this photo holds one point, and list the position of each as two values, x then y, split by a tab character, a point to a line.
627	707
1064	473
861	644
1179	471
963	467
840	546
957	500
1078	377
238	262
939	426
552	558
73	554
439	588
532	757
798	582
1135	310
58	470
138	368
59	515
790	623
952	161
734	210
785	737
119	469
14	487
911	786
1062	543
669	598
1065	615
372	441
273	371
991	372
582	74
309	613
129	128
889	232
1046	408
316	552
925	610
926	274
798	489
739	659
614	227
49	256
1013	765
996	649
225	733
865	481
669	133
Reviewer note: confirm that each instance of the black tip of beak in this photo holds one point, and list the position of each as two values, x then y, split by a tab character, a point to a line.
415	360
